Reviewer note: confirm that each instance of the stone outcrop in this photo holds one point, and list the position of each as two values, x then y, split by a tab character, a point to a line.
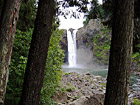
85	43
91	100
64	45
86	33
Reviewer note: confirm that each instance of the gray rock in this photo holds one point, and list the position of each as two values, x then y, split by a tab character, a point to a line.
88	90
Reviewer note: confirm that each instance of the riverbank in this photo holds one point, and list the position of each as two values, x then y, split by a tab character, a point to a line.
85	89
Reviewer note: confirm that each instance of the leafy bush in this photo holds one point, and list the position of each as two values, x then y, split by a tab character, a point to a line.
101	45
70	87
27	14
136	56
53	73
136	102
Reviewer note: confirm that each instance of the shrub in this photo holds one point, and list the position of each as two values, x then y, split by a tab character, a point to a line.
53	72
101	45
136	102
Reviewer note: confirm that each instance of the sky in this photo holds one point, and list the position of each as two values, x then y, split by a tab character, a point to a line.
72	22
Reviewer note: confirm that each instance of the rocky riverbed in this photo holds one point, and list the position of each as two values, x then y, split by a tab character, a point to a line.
86	89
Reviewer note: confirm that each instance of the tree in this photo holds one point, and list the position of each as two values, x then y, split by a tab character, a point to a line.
17	67
96	11
9	17
24	29
34	73
120	53
53	73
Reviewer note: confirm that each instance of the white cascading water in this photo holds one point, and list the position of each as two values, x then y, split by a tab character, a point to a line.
72	56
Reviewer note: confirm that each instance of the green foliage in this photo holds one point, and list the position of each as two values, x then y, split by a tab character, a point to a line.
96	11
136	58
70	87
19	57
20	54
67	73
138	46
103	84
17	66
62	90
27	14
136	102
53	68
101	45
136	55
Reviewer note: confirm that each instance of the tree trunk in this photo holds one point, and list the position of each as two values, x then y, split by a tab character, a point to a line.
8	22
120	53
34	74
1	6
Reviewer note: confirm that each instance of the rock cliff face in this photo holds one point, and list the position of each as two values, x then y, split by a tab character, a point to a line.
86	33
64	45
85	37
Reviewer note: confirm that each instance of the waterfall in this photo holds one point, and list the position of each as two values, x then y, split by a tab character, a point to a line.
71	37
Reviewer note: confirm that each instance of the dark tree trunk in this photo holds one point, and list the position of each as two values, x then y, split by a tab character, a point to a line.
8	22
34	74
120	53
1	6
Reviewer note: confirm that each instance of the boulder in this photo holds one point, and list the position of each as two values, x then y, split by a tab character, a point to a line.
91	100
